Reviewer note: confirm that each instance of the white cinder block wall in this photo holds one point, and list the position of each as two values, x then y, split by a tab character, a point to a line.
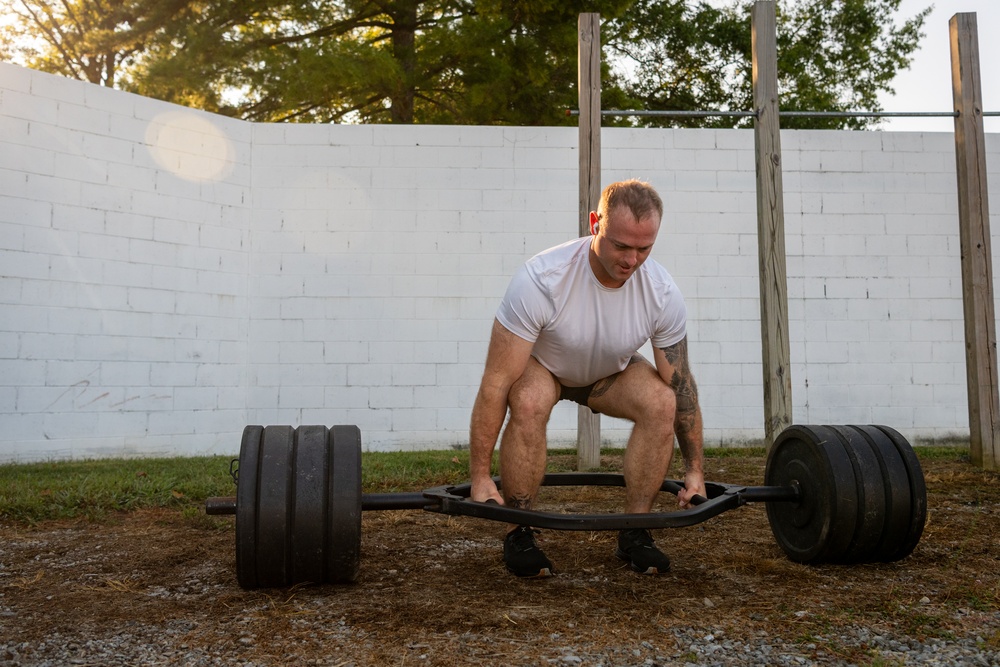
124	237
168	276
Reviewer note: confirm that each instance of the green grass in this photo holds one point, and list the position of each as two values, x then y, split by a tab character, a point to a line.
943	453
95	489
36	492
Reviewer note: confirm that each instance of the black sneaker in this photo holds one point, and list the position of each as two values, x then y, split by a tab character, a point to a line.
522	556
636	547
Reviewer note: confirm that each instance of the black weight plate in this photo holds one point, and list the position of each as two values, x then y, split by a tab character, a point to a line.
246	507
897	493
820	526
870	490
273	505
307	533
918	494
344	511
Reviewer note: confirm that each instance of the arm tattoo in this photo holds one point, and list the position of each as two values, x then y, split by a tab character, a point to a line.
682	381
687	419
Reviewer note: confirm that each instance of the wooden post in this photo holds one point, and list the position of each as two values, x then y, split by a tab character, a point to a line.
770	224
974	235
588	434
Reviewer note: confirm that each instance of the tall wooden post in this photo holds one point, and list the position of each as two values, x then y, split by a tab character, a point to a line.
588	434
770	224
974	238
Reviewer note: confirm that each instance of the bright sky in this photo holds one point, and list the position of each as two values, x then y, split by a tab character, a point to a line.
926	85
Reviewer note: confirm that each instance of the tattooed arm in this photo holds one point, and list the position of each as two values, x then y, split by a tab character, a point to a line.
672	365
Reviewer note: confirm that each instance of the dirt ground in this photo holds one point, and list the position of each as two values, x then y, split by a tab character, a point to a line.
160	586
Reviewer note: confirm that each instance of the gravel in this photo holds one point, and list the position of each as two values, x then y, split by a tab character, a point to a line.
690	648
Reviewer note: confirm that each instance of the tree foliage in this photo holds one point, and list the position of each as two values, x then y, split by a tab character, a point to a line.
833	55
91	40
462	61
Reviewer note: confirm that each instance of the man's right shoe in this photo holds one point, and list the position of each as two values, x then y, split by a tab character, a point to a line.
635	546
522	556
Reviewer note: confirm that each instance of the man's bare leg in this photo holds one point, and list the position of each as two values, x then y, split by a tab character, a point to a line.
522	464
641	396
523	445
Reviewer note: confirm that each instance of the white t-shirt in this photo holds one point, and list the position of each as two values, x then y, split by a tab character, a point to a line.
582	330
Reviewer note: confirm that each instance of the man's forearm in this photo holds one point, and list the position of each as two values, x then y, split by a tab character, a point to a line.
690	438
488	414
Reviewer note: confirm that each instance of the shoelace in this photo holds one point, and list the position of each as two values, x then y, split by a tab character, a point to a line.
642	538
524	540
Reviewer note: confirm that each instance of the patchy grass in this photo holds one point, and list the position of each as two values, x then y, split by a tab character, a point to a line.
93	489
30	493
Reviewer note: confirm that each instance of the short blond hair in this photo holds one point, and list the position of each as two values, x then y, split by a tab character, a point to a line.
637	196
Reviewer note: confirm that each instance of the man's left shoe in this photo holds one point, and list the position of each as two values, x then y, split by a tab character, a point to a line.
522	556
635	546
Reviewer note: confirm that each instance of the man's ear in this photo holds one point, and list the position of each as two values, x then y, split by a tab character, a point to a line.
594	225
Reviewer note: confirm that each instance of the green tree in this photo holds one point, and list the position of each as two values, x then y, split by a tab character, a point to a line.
91	40
399	61
371	61
833	55
466	61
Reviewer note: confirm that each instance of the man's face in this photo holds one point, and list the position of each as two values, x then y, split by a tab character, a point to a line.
621	244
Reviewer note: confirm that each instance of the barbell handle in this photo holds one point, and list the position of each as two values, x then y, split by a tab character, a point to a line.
369	501
675	488
217	506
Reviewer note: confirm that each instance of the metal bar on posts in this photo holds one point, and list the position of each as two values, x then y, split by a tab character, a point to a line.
974	239
866	114
770	224
588	434
678	113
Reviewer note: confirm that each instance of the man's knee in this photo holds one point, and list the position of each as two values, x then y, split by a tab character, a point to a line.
533	396
658	405
530	407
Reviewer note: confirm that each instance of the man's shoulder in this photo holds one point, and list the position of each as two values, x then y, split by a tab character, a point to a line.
656	274
558	259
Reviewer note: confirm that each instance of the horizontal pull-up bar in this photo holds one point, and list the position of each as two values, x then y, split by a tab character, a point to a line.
789	114
867	114
679	114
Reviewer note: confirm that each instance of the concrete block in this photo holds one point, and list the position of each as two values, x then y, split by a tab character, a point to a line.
80	118
56	87
929	204
28	265
152	300
152	350
107	148
695	139
697	181
300	397
927	162
67	425
343	397
17	210
172	374
19	159
736	181
153	252
418	419
391	397
49	189
15	78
